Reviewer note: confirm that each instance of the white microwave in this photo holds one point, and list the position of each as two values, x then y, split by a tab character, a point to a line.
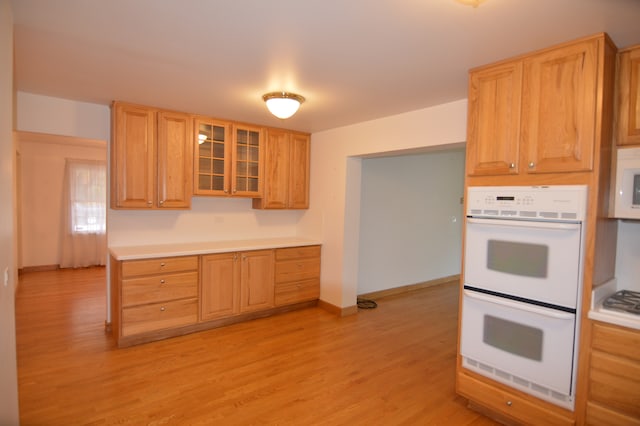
627	190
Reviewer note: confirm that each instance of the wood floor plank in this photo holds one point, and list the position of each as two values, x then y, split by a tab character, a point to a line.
391	365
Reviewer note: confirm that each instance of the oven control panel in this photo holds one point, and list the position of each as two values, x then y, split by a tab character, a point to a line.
558	202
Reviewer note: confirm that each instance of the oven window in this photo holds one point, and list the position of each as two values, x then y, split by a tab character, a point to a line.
512	337
524	259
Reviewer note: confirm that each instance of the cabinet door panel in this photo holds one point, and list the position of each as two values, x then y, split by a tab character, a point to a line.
219	295
175	159
256	280
300	146
276	175
559	109
629	97
246	168
494	120
133	157
212	159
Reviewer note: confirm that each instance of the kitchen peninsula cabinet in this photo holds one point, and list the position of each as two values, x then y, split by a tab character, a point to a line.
614	376
628	97
286	165
535	114
169	290
151	158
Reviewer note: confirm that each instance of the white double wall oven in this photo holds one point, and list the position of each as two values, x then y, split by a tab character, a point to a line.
522	287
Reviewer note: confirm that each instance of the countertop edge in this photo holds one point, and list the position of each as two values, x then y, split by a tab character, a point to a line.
206	247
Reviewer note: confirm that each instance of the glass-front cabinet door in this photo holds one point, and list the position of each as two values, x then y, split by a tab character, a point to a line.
247	159
212	158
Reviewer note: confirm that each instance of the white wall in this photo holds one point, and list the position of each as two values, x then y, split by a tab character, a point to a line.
9	413
41	186
410	219
334	213
45	114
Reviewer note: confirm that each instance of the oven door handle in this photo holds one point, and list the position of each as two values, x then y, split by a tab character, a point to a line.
521	306
524	223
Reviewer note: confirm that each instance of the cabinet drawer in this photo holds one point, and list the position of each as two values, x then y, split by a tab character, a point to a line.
297	252
160	265
294	292
598	415
615	383
616	340
508	404
158	288
297	270
159	316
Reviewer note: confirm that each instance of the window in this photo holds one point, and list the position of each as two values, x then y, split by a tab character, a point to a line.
87	196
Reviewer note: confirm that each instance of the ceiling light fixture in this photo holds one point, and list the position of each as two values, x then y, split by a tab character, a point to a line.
283	104
474	3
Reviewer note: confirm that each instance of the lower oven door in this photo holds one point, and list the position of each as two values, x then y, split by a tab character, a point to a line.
522	345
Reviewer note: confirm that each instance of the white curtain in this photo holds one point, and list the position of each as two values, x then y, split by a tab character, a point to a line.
84	240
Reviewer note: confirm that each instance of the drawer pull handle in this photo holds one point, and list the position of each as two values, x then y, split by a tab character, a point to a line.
162	265
161	281
509	403
162	309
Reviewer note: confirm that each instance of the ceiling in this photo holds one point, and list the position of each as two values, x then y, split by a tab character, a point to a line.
353	60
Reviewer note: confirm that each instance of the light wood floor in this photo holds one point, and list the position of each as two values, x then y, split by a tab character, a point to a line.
387	366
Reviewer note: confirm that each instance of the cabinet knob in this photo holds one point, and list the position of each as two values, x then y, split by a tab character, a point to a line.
531	164
162	308
161	202
509	403
161	281
149	203
512	165
226	191
162	264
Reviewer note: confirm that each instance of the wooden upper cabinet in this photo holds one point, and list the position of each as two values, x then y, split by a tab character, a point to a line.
628	97
212	161
493	130
175	160
286	166
151	158
133	165
538	113
246	163
559	108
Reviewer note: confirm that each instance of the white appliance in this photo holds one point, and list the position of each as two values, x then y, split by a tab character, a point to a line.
627	190
522	286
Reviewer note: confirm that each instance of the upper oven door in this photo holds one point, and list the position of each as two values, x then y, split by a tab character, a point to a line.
538	261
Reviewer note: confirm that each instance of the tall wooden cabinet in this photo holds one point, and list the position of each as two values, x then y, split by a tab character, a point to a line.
628	97
535	114
151	158
546	118
286	176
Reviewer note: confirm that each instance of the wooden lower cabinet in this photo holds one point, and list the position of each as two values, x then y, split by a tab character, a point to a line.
614	376
508	405
157	298
153	295
297	275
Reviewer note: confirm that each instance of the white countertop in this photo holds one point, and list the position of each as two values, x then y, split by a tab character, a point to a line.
597	312
204	247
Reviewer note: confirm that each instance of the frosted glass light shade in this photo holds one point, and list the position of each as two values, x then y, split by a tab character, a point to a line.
282	104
